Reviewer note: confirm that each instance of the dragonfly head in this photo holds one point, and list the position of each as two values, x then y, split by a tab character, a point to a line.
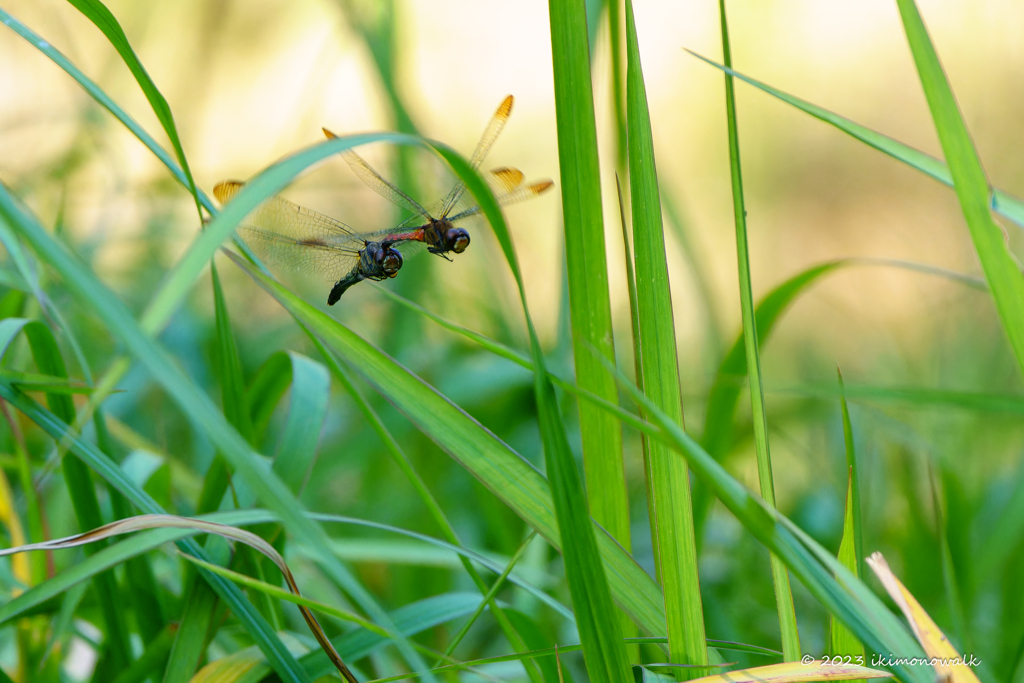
456	239
390	261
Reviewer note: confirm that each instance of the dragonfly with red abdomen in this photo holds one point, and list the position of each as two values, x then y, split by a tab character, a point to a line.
440	234
291	236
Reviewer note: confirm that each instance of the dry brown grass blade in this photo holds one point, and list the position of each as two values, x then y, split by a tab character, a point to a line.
144	522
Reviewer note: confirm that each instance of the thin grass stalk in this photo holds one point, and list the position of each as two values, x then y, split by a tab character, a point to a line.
780	577
589	299
1002	202
615	8
668	474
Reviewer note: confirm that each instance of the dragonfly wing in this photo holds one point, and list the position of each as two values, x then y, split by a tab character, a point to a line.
377	183
491	133
518	194
502	181
291	236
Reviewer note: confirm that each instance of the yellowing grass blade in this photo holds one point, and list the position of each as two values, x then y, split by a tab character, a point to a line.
791	672
230	668
947	662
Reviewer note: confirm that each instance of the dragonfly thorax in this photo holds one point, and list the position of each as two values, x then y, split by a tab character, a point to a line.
446	237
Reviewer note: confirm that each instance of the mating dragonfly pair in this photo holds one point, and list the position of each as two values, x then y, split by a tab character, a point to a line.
290	236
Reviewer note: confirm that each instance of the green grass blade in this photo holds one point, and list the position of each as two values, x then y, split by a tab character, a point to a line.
282	660
949	579
1004	204
783	592
104	101
851	548
310	397
197	617
828	581
232	382
403	462
915	397
408	620
589	299
148	665
668	475
267	387
969	180
596	619
717	436
267	487
617	77
80	485
488	597
105	21
507	474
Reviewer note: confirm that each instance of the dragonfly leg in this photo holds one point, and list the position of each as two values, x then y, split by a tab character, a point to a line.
443	253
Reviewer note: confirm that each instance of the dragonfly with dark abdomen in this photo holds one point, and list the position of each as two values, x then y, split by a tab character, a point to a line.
440	234
291	236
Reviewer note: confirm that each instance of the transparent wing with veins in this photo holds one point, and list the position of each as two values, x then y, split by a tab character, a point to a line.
290	236
509	190
491	133
377	183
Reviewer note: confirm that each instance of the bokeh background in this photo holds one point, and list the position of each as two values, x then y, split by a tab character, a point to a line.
250	82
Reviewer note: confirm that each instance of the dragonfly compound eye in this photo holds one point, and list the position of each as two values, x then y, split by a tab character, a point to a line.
457	240
392	262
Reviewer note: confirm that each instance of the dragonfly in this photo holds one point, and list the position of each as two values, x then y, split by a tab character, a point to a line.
294	237
440	233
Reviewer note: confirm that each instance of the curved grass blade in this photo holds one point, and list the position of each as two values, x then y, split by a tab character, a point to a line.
1004	204
267	183
972	187
780	578
498	467
105	21
282	660
158	521
668	475
194	403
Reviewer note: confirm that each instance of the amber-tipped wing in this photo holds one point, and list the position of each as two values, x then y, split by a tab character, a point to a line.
491	133
376	182
291	236
518	194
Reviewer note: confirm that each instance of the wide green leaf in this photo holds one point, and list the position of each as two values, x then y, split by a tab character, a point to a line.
589	299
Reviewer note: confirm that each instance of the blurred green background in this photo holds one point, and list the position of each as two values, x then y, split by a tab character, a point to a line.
249	82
